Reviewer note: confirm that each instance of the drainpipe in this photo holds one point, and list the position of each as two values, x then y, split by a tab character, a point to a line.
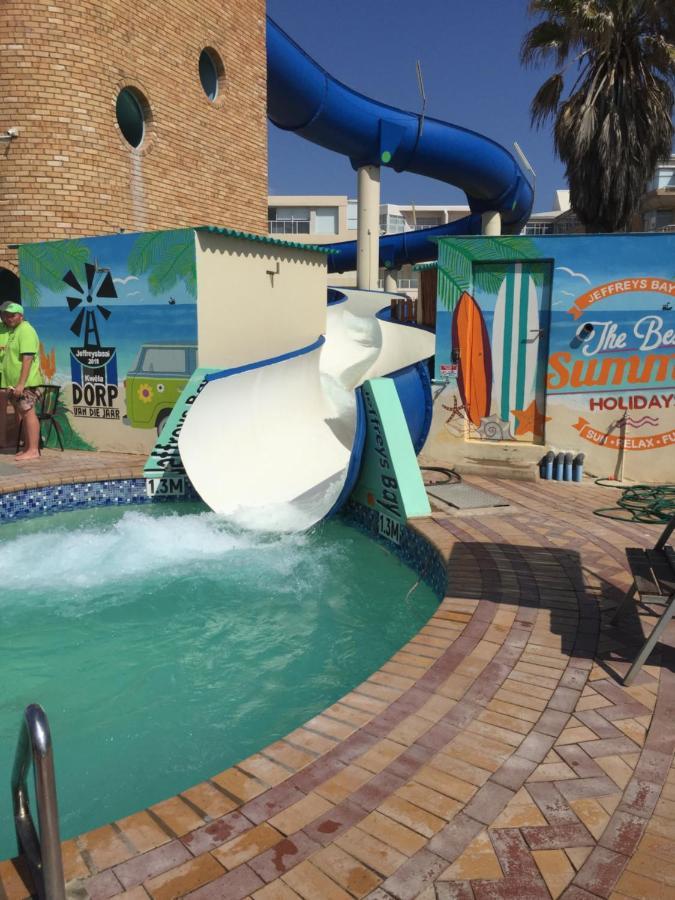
368	233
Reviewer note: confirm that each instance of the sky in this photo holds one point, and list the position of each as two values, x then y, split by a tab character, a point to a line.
469	53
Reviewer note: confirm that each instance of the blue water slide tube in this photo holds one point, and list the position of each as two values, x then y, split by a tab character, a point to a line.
413	386
402	249
304	98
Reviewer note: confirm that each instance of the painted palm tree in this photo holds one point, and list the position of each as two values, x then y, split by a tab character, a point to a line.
167	258
614	124
43	266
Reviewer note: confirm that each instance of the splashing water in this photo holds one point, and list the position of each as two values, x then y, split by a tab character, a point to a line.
138	544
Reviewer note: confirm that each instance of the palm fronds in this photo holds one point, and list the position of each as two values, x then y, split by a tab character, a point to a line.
461	264
44	265
166	257
615	123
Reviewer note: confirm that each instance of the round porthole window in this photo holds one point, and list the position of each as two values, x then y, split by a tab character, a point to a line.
210	72
131	115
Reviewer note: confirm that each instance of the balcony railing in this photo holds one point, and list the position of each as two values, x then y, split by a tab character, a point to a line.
288	226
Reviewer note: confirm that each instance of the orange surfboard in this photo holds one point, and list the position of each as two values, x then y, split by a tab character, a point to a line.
470	337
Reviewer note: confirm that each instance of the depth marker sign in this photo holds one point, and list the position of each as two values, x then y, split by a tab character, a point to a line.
164	472
390	482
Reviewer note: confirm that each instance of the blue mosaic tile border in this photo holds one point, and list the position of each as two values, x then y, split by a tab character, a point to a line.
414	550
64	497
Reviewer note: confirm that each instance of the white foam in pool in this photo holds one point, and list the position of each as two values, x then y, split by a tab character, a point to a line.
137	545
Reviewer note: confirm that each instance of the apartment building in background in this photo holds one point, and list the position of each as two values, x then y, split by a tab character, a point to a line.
657	209
329	219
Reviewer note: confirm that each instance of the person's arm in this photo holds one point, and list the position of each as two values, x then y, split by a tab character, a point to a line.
26	363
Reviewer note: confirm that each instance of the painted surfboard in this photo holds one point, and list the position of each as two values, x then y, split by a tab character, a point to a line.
515	344
470	337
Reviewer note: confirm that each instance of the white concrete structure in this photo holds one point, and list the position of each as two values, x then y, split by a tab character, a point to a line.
558	220
249	288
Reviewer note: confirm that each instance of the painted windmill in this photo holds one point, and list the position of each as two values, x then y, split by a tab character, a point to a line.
97	289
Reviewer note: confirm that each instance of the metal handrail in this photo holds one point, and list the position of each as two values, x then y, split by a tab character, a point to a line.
43	853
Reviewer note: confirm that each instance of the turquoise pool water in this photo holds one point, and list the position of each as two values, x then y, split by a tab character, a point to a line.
166	646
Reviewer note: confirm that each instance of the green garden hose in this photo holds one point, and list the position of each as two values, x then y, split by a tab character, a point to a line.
646	503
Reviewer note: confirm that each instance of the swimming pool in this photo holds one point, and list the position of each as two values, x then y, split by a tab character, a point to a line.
166	646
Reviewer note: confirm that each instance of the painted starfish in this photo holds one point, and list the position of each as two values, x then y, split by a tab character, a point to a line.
456	411
530	419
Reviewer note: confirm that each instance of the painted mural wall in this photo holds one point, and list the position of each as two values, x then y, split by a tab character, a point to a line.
117	322
125	319
560	342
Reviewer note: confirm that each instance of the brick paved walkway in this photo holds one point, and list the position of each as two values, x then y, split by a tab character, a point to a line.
494	756
67	467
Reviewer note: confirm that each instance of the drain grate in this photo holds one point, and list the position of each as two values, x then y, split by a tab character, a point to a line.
464	496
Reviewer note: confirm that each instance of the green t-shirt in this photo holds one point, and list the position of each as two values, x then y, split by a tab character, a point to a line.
4	331
20	340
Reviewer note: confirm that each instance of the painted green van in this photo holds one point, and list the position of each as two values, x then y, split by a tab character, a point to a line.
155	382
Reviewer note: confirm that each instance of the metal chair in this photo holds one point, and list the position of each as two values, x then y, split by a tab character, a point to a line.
45	409
653	572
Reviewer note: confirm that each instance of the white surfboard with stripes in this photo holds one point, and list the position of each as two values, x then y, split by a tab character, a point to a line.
515	344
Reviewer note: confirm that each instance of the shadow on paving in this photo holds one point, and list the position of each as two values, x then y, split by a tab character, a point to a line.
581	602
621	643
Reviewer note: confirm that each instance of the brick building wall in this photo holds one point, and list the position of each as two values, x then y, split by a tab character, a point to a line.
71	173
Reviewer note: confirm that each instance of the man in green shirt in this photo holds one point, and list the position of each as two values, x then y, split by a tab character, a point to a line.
21	375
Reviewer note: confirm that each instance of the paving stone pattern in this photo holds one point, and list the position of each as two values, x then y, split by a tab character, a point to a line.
496	755
55	467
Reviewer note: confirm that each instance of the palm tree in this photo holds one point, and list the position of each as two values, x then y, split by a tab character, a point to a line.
614	124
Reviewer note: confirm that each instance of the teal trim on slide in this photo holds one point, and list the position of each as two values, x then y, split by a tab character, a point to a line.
164	457
390	481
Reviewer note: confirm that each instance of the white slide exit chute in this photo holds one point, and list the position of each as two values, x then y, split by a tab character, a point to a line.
260	443
269	444
360	345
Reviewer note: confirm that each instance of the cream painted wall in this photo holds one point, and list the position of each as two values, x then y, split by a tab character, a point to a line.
244	313
618	452
449	443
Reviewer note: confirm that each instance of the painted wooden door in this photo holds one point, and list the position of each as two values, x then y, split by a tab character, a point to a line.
514	298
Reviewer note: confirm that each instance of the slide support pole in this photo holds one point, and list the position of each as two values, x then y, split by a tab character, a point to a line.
491	223
368	233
